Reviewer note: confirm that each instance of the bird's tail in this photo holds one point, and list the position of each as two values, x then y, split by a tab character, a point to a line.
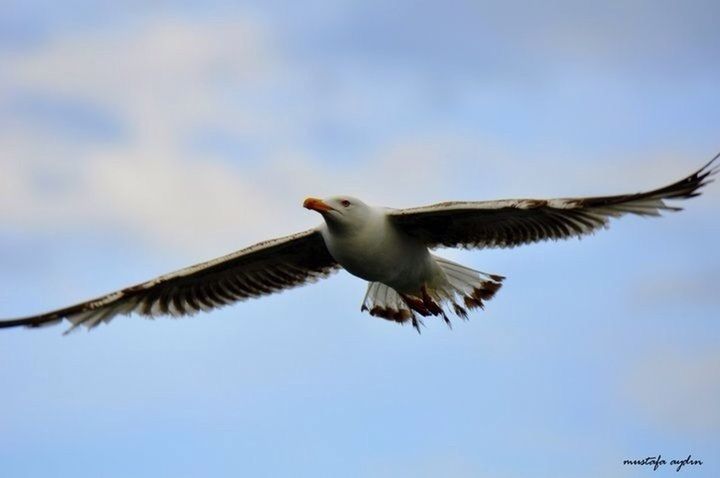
464	289
467	285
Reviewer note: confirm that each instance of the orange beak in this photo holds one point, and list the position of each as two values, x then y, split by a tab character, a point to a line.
316	205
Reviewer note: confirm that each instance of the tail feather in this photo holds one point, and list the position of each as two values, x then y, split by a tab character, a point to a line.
384	302
464	288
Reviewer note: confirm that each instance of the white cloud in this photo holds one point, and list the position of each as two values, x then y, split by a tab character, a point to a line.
168	77
163	79
158	75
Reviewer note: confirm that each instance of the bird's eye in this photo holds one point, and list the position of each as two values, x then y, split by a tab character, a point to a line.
345	203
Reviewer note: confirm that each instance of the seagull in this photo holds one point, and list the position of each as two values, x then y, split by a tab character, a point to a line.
389	248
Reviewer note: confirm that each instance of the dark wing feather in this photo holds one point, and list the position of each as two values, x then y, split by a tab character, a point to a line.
262	269
510	223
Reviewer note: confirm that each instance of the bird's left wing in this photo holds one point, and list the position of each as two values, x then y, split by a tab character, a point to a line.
262	269
513	222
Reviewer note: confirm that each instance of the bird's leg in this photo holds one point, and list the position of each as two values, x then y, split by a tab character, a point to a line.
416	323
433	306
447	321
415	304
429	303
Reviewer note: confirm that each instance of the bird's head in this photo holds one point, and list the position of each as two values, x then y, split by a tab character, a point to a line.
340	211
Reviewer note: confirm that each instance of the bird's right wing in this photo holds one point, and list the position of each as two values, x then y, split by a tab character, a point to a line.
513	222
262	269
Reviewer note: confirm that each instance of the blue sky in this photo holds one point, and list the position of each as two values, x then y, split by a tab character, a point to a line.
135	140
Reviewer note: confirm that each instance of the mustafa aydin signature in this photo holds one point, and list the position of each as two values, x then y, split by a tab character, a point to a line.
658	461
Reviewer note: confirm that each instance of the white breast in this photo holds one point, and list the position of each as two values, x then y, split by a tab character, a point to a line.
379	252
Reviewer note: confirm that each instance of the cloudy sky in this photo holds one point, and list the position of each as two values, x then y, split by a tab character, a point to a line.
138	139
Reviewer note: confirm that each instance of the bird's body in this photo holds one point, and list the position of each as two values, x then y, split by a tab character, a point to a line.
377	251
404	277
389	248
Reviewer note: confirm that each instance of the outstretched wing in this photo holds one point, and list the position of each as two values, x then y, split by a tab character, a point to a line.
513	222
262	269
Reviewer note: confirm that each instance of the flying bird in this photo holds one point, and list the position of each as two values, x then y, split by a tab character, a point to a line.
389	248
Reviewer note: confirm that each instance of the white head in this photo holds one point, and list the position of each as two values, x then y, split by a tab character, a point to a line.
340	212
